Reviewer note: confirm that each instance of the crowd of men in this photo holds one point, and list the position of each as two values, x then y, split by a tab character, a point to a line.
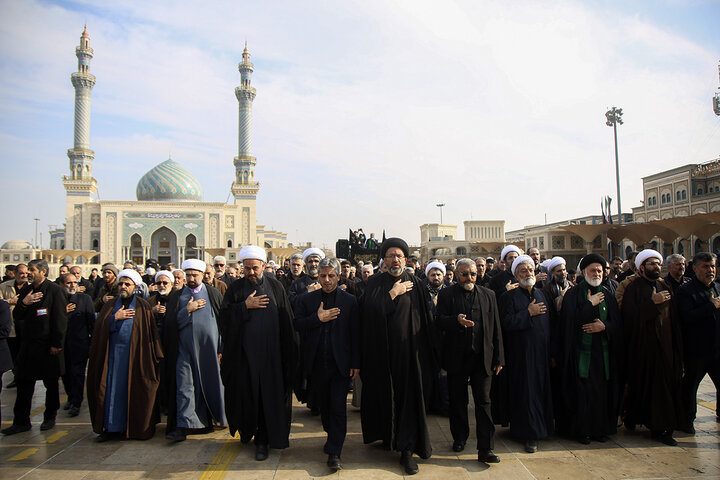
215	346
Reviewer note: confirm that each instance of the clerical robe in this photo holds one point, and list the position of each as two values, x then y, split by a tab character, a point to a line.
399	364
527	357
191	348
122	377
259	361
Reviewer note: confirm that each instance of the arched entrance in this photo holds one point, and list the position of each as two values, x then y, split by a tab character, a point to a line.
164	246
136	249
190	244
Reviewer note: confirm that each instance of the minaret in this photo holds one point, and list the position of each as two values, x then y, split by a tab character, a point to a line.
245	187
80	182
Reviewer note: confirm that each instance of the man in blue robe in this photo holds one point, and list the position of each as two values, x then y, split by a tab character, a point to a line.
193	351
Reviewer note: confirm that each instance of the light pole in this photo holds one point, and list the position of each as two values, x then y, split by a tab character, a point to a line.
440	205
614	116
36	231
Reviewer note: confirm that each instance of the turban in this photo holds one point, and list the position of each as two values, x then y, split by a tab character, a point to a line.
394	242
521	259
131	274
271	263
150	271
194	264
554	262
252	252
313	251
433	265
645	254
164	273
111	267
588	260
508	249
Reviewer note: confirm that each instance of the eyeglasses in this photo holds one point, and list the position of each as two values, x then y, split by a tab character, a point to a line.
163	283
395	255
655	264
219	264
467	274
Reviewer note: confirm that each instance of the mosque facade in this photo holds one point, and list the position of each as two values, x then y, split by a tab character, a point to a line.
169	221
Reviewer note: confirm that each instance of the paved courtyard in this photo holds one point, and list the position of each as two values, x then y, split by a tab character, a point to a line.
69	452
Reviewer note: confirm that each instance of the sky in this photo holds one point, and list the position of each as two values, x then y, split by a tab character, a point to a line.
368	113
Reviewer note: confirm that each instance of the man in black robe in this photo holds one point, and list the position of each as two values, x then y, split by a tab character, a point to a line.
504	280
40	322
307	283
398	358
259	355
294	271
589	339
80	322
472	352
654	351
557	283
526	329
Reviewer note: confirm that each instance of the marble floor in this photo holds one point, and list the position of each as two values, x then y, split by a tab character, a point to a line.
69	452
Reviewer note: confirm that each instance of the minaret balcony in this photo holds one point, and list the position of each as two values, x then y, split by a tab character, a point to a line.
82	80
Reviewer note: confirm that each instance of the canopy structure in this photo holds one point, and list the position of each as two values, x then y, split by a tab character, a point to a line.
213	252
280	254
489	247
57	256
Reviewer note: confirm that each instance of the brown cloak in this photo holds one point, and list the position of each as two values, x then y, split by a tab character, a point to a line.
145	354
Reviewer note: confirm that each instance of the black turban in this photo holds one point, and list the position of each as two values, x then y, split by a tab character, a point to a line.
394	242
590	259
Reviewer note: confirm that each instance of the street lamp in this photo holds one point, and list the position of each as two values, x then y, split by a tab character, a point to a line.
36	231
440	205
614	116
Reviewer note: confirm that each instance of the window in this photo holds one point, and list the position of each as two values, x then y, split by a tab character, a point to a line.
677	196
699	191
684	194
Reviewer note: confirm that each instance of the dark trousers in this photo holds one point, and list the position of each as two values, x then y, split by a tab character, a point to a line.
14	346
458	389
23	400
695	370
330	390
74	379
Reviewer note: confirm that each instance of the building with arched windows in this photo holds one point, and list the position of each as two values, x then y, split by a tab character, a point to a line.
169	221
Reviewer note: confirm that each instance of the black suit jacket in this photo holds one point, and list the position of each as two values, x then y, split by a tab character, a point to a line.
344	330
449	305
699	319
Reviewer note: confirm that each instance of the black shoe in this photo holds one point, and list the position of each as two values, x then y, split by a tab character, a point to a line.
13	429
67	406
584	440
104	437
333	462
11	384
177	435
245	437
261	452
458	446
407	461
73	411
47	424
531	446
488	456
665	437
206	430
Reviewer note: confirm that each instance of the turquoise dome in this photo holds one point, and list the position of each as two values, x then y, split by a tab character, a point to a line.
169	181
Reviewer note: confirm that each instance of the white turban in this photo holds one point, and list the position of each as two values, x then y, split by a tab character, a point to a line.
645	254
522	259
252	252
164	273
433	265
131	274
554	262
150	271
508	249
313	251
194	264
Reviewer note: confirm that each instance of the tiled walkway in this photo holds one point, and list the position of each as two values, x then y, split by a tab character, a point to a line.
69	452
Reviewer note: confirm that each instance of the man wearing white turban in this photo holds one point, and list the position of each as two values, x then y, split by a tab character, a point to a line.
307	283
505	280
557	283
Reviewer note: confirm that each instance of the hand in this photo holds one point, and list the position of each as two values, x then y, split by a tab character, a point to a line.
31	298
55	351
124	313
107	298
541	277
13	300
536	308
81	288
563	291
70	307
261	301
342	287
219	358
193	304
594	327
511	286
596	299
158	308
400	288
354	372
152	288
497	369
314	286
715	301
327	315
660	297
462	320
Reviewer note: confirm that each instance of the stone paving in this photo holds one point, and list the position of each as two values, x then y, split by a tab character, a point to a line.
69	452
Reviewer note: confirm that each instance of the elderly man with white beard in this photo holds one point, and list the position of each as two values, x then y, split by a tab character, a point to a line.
589	351
164	283
526	329
179	277
310	282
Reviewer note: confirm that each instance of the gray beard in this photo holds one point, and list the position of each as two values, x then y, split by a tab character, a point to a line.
125	295
468	286
594	282
396	272
527	282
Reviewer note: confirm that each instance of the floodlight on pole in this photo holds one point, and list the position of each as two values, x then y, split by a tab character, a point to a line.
440	206
614	116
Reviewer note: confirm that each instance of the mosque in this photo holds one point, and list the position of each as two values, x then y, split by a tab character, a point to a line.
169	221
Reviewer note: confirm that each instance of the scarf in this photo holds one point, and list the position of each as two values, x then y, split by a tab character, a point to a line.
586	338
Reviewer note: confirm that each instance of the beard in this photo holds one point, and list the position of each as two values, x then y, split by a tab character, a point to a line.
560	279
468	286
396	271
254	279
125	295
70	291
527	282
313	272
165	292
654	275
593	282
